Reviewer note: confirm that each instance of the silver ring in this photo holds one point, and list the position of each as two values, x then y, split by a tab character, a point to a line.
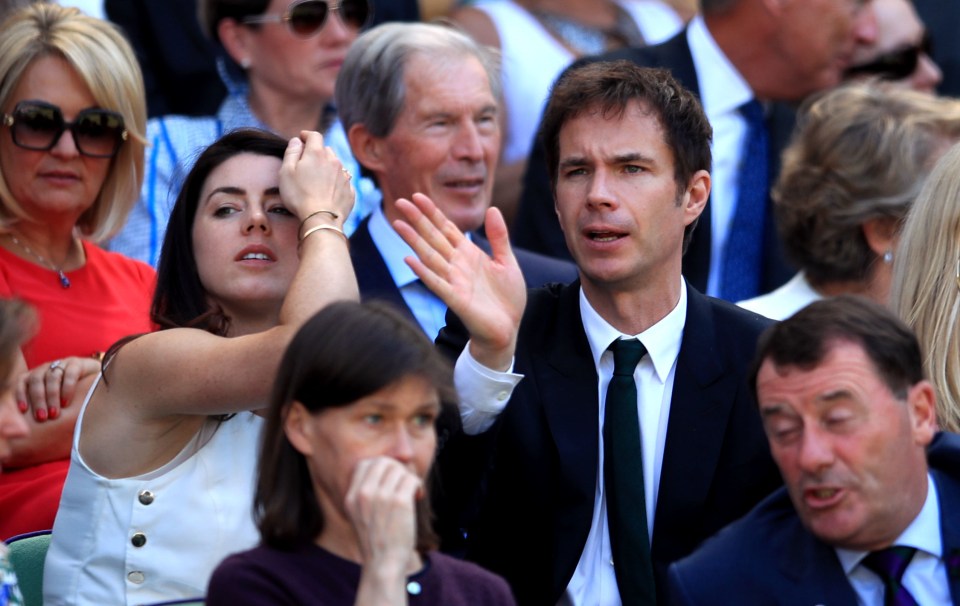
56	364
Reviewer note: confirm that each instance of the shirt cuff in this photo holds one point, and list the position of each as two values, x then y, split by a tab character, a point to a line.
483	392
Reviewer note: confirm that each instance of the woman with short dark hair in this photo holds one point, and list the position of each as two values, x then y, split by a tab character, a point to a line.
341	495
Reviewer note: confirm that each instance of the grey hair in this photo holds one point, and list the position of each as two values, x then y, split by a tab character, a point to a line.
370	88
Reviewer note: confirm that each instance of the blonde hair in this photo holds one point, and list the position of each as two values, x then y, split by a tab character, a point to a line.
925	292
104	60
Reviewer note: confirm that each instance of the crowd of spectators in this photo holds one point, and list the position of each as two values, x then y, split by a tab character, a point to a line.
581	302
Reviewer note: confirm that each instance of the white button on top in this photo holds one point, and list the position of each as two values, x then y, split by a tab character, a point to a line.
502	396
136	577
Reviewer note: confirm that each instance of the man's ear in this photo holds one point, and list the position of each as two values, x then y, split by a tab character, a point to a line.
695	197
367	149
299	428
921	398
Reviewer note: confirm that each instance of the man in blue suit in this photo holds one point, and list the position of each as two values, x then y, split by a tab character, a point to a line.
869	512
420	105
629	156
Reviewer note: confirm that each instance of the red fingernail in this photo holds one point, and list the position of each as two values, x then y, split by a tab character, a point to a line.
22	406
54	413
63	402
41	414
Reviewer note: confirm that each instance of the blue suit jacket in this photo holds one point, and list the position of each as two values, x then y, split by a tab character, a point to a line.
524	490
536	226
769	557
375	281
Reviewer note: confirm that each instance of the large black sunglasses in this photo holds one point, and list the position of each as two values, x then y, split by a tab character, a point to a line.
306	17
38	125
896	64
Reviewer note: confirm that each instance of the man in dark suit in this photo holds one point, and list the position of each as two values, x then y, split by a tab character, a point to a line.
629	156
867	515
420	106
737	52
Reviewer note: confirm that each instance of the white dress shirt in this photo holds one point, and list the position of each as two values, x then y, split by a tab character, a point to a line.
926	575
484	393
784	301
722	91
427	308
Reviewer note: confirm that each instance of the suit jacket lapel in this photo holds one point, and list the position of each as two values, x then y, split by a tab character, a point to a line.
701	402
949	494
813	567
567	380
373	277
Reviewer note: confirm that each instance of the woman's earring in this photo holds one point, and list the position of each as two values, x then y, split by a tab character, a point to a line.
245	63
888	257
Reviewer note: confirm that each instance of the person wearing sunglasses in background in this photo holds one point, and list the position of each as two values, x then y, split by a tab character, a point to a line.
71	160
901	52
290	53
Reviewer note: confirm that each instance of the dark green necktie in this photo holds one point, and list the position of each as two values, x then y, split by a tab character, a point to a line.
623	479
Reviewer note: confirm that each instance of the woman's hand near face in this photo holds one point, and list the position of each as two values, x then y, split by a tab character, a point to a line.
313	179
381	506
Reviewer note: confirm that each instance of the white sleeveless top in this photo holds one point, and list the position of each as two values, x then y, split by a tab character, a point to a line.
532	59
157	536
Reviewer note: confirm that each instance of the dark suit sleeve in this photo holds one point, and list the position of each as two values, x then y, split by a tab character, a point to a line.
459	479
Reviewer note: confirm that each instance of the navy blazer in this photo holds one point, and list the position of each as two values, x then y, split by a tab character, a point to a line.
536	226
376	283
528	514
769	557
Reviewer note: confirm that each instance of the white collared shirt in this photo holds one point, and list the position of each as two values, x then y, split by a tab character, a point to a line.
722	91
926	575
427	308
484	393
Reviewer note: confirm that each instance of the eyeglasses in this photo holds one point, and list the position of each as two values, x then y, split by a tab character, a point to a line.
307	17
38	125
896	64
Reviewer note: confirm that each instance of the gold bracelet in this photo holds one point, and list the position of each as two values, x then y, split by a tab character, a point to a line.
317	228
314	214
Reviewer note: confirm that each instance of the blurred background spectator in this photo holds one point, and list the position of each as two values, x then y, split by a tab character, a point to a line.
901	53
857	162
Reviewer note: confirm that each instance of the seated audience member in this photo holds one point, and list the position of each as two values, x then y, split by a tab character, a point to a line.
341	496
749	65
868	515
926	282
289	52
603	454
432	128
71	162
858	160
537	39
16	322
901	52
163	462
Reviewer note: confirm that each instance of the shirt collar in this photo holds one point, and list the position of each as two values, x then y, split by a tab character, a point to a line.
722	88
662	340
923	533
392	248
